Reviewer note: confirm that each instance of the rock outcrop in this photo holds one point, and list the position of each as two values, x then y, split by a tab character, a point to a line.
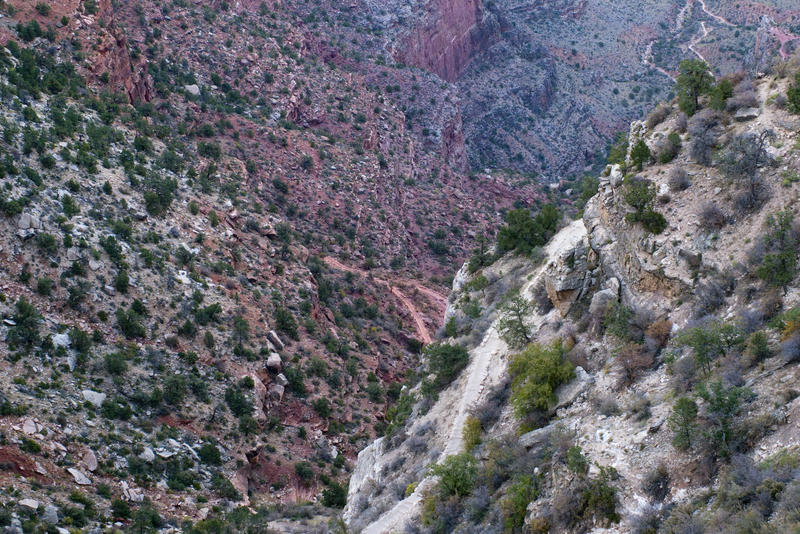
126	75
449	35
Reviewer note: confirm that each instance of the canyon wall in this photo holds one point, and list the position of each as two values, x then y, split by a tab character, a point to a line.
447	37
126	75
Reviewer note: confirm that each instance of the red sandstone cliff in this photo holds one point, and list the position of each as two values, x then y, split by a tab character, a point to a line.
126	76
449	36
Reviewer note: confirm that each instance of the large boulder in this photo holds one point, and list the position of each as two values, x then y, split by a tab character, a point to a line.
273	338
569	392
275	392
274	362
568	277
94	397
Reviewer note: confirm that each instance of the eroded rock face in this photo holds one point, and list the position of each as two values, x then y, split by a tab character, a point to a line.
570	276
450	35
125	75
643	264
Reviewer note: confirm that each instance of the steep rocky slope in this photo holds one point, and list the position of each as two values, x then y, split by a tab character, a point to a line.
629	307
221	251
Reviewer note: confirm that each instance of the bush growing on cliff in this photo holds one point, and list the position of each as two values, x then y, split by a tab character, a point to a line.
523	233
24	334
703	136
640	194
694	80
535	375
682	422
640	154
722	407
741	162
456	474
793	95
512	326
445	361
779	265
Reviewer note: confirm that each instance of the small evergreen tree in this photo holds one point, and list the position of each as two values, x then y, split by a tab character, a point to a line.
682	422
640	153
513	326
24	334
793	95
694	80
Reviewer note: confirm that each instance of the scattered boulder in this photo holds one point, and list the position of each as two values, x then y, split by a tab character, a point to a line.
536	438
147	455
79	477
192	89
275	392
29	221
31	504
94	397
50	515
274	362
131	494
90	460
61	340
746	114
282	380
273	338
569	392
29	426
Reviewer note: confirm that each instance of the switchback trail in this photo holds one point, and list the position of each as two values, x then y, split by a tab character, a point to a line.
437	300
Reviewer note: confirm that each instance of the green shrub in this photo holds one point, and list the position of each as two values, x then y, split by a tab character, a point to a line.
334	496
158	195
129	323
600	496
304	471
115	363
47	243
793	95
711	340
722	406
640	153
445	361
617	321
720	94
238	402
120	509
322	407
44	286
535	375
576	461
116	408
209	150
471	433
779	266
175	388
515	505
121	281
209	454
512	326
224	488
640	194
457	474
43	9
24	334
523	233
682	422
285	322
694	80
295	379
